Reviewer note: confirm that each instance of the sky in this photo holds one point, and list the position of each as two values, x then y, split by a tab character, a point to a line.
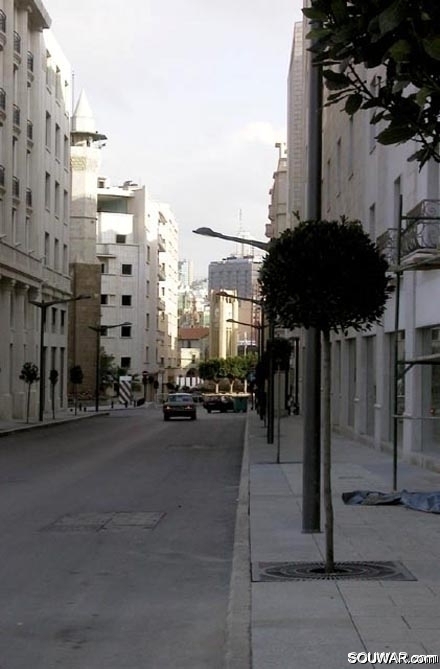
192	95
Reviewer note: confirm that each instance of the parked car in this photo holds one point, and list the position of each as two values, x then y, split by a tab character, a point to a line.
222	403
179	405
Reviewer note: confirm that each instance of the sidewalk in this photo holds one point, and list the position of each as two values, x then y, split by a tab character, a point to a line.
305	624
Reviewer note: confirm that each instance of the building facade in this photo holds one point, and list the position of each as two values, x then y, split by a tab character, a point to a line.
378	186
35	85
137	251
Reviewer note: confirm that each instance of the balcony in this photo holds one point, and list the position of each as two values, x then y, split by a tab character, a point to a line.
419	240
30	67
161	304
16	117
161	273
16	188
2	179
2	105
2	28
30	134
17	47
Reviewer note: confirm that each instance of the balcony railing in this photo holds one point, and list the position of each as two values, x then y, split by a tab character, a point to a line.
2	21
30	61
17	42
16	118
29	198
2	176
15	187
2	99
420	236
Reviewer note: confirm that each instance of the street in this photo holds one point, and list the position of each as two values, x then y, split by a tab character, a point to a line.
117	537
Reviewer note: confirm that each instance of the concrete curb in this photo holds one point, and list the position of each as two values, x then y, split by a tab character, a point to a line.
238	622
32	426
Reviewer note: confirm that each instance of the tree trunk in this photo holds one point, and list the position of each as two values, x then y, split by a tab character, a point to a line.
326	442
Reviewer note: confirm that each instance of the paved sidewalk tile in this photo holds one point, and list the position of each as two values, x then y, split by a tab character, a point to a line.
316	623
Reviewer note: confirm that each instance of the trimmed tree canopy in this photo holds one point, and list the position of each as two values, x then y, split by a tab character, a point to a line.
403	36
327	275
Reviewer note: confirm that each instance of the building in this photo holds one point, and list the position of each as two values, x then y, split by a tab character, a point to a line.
137	251
193	348
392	198
279	221
236	275
85	271
34	205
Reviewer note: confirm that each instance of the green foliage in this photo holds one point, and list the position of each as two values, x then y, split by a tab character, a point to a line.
403	36
53	376
76	375
237	367
29	373
333	277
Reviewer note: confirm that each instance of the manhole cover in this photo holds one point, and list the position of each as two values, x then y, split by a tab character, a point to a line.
356	571
108	521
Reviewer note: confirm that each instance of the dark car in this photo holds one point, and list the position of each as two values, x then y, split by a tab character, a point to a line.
222	403
179	405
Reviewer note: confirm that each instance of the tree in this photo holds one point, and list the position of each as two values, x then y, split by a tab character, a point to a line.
29	374
403	37
53	378
333	278
210	370
76	378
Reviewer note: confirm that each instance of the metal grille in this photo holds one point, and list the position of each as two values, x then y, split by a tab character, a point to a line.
355	571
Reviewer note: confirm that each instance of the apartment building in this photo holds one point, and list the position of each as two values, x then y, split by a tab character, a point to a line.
35	85
391	197
137	251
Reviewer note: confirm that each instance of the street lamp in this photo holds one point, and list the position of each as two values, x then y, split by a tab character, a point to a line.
101	330
43	306
208	232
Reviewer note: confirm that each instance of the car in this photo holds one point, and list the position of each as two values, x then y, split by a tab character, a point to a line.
222	403
179	405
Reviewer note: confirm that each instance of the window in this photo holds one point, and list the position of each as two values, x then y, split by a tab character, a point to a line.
54	319
121	239
103	331
57	199
148	289
48	130
126	300
125	363
56	254
104	299
46	248
65	207
62	320
57	141
65	259
372	222
47	191
126	331
127	270
104	267
66	155
148	254
147	321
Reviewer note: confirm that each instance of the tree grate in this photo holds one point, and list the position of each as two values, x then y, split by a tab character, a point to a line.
354	571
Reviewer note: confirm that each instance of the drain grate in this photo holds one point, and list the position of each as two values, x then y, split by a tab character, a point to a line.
108	521
355	571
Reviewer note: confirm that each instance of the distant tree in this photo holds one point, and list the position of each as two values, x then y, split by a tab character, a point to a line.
29	374
211	370
403	37
330	276
53	378
76	378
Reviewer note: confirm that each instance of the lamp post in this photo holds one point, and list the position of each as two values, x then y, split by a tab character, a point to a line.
43	306
101	330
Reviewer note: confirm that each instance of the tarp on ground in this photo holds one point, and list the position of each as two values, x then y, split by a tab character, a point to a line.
419	501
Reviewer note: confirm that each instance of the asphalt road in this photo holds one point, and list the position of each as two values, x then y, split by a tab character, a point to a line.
116	542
